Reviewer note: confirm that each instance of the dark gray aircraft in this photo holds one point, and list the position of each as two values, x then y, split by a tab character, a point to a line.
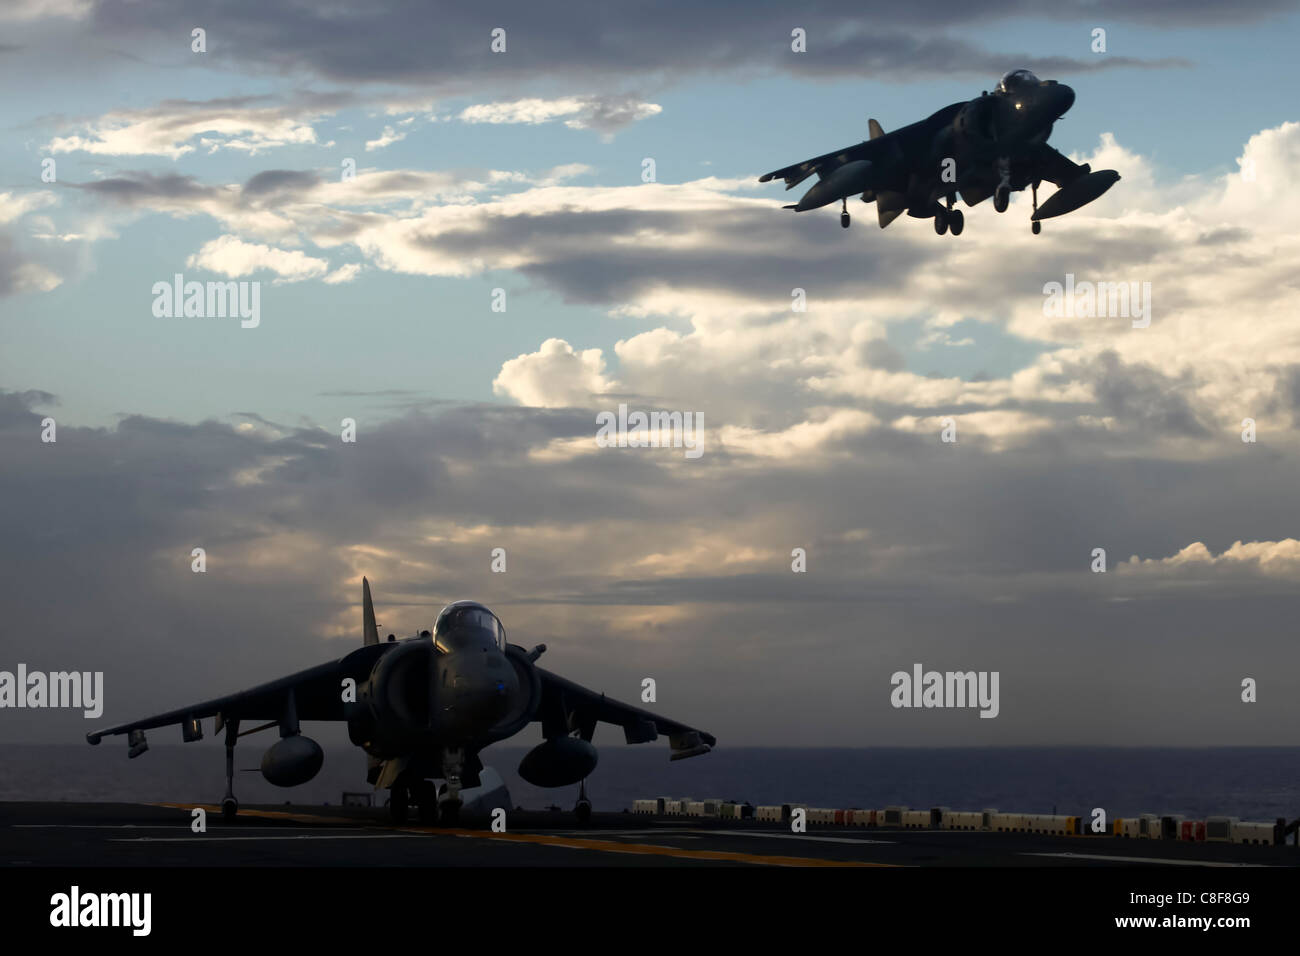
423	708
989	146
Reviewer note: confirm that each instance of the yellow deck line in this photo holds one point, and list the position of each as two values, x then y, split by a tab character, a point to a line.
574	843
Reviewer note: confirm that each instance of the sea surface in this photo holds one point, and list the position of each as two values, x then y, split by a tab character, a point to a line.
1250	783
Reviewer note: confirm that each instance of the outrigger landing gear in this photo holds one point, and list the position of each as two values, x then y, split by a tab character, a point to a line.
844	213
582	809
229	805
1036	227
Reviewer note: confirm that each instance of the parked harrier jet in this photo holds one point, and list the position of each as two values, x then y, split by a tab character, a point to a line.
990	146
423	708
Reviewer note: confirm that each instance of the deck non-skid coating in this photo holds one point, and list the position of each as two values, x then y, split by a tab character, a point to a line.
81	834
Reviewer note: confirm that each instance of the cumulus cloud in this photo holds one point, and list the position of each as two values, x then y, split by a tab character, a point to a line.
709	266
1270	559
554	376
233	257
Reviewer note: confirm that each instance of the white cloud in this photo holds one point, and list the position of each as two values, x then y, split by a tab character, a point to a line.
231	256
1269	559
554	376
605	114
169	128
15	207
387	138
344	273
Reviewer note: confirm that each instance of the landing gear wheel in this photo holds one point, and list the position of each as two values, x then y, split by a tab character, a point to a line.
398	804
449	813
426	797
956	221
1036	227
229	808
1001	198
940	222
844	220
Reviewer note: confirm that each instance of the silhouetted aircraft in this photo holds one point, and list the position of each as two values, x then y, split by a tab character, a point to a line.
423	708
989	146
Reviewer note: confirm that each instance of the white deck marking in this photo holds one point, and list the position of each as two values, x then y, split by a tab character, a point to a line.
208	838
130	826
1154	860
694	833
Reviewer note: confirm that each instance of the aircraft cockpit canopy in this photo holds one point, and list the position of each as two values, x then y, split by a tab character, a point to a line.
1016	80
465	619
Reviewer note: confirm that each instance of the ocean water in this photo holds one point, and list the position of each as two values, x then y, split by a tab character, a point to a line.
1251	783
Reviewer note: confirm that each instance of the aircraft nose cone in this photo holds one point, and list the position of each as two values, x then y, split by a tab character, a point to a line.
1064	99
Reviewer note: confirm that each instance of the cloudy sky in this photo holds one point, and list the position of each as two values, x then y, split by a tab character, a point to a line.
387	179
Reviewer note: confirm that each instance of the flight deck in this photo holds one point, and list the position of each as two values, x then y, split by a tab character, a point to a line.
161	835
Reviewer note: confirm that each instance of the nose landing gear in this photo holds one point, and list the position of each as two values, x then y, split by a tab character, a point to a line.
844	213
1002	194
1035	227
453	759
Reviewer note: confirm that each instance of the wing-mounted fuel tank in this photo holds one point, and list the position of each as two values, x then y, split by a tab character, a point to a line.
292	761
295	759
396	705
558	762
1078	192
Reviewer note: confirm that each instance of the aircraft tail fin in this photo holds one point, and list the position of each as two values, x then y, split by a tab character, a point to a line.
368	615
876	130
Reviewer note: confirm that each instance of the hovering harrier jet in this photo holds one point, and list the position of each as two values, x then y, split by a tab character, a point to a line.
423	708
990	146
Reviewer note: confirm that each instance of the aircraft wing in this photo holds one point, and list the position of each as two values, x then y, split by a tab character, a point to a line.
906	144
567	706
794	175
317	693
